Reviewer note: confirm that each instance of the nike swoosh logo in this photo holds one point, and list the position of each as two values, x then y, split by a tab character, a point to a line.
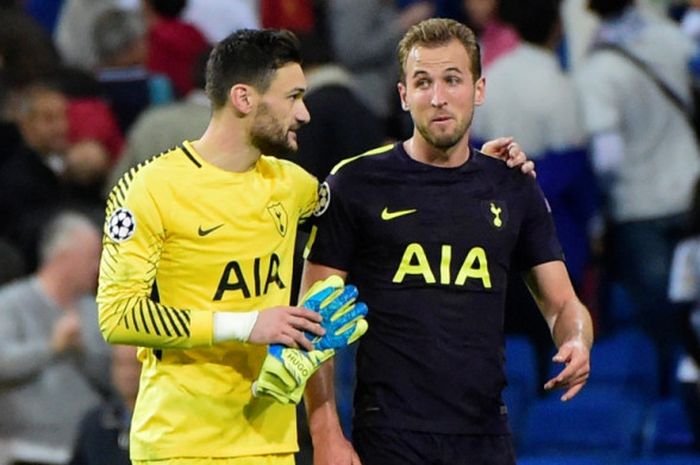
387	215
206	232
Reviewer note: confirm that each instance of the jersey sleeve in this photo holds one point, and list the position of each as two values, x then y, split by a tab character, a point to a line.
333	234
307	187
133	239
537	240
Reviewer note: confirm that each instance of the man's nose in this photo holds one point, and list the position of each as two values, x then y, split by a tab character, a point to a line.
303	116
438	100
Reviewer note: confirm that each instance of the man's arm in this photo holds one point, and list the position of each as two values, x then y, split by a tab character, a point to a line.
569	322
330	445
129	315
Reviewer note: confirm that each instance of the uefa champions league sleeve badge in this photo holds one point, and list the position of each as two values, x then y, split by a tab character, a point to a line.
121	225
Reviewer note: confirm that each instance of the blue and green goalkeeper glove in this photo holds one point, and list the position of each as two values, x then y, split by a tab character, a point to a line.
285	370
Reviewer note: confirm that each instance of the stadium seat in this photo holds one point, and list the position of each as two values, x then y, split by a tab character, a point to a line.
676	459
563	460
597	422
667	429
521	372
626	361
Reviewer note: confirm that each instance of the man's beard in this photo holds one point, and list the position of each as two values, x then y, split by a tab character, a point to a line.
269	136
445	141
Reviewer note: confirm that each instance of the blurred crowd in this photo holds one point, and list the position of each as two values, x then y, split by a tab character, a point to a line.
91	88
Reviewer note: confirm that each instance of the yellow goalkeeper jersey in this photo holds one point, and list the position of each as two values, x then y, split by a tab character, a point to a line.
182	239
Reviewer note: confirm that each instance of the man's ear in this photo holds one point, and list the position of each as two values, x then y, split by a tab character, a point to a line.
480	91
402	94
243	98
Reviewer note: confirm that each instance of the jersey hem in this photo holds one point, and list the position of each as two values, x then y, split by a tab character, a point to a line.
219	454
423	426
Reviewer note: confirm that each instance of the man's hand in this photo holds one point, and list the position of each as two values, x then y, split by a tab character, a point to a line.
334	449
505	149
288	326
66	332
286	370
576	356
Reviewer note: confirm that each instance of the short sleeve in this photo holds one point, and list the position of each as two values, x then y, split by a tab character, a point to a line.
537	239
308	189
333	236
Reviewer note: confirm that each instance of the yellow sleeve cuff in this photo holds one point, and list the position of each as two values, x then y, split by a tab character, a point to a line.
202	328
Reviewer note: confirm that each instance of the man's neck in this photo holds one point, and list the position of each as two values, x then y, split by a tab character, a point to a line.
422	151
226	147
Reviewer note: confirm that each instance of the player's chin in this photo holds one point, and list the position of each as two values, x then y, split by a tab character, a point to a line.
292	143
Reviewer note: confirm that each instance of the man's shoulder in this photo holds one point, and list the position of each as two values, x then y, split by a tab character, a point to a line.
500	175
283	168
16	291
364	162
154	168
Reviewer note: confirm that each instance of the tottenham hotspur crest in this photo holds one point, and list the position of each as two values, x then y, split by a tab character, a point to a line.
496	213
279	217
121	225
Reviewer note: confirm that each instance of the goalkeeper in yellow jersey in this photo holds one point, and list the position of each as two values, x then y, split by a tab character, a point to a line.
196	270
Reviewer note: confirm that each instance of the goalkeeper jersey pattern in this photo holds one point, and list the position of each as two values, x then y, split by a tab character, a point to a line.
182	239
429	249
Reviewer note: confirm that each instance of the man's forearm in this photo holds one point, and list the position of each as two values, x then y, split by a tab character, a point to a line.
319	399
573	322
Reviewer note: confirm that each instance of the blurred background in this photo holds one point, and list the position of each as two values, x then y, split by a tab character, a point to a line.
600	93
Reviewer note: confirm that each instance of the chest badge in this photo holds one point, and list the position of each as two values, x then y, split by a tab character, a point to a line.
279	216
496	213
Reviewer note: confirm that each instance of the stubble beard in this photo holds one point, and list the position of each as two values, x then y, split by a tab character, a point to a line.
446	140
269	136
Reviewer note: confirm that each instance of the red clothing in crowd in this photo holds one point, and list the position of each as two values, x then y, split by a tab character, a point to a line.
173	48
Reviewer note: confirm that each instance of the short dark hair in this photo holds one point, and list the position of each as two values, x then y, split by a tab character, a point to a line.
199	69
248	56
608	8
439	31
168	8
533	19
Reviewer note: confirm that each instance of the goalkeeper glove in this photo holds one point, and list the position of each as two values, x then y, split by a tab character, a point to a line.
343	318
285	370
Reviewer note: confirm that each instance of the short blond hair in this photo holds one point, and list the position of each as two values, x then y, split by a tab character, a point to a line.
435	32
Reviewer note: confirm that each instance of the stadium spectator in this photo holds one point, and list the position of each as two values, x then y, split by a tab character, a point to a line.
125	82
684	288
173	45
52	356
30	184
103	437
377	25
496	37
162	127
644	154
